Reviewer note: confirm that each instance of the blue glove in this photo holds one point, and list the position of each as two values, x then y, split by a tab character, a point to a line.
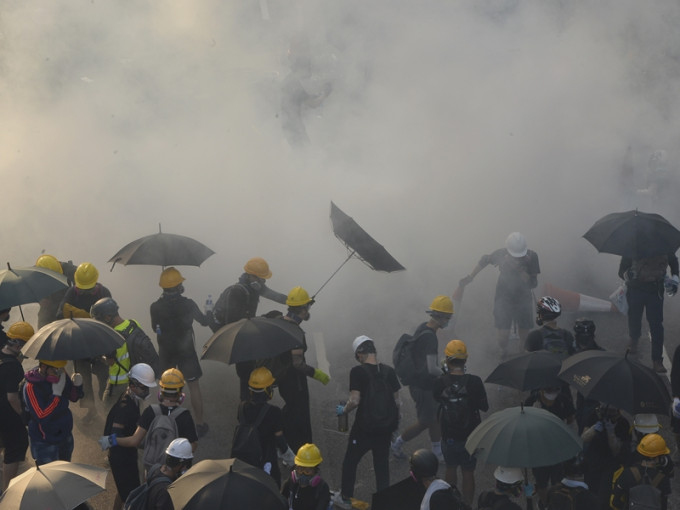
676	407
339	410
107	442
599	426
529	490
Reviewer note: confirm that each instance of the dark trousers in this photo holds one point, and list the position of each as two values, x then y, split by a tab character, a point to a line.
357	446
649	300
297	421
125	470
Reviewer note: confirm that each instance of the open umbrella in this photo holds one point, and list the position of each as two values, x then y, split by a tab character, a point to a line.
360	244
72	339
251	339
523	437
226	483
162	250
528	371
22	285
617	380
57	485
634	234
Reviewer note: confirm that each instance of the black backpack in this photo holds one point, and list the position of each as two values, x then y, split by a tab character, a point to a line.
138	498
455	409
245	444
645	495
561	497
378	408
402	358
554	340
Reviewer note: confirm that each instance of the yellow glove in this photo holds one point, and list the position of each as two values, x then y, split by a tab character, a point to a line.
321	376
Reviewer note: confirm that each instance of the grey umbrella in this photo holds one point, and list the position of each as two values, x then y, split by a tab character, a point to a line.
22	285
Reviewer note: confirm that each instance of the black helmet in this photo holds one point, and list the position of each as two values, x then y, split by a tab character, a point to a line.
103	308
424	464
547	309
584	327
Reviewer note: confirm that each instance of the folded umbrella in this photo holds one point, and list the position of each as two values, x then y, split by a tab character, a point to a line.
528	371
22	285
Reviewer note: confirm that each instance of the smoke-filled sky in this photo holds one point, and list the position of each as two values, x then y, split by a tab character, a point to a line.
449	125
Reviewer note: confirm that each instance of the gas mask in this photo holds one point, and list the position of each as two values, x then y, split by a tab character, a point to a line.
54	378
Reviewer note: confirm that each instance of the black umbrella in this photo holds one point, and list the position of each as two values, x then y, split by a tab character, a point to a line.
634	234
162	250
617	380
405	495
528	371
226	483
360	244
252	339
22	285
72	339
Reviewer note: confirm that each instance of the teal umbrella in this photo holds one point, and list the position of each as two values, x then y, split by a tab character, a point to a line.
523	437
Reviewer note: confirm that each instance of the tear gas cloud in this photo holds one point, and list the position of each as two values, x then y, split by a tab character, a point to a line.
449	125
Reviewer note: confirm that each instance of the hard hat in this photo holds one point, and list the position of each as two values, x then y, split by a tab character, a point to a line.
516	245
170	278
180	448
584	327
308	456
86	276
144	374
646	423
257	266
653	445
456	349
261	378
49	262
298	297
54	363
20	330
172	380
358	341
442	304
103	308
508	475
424	464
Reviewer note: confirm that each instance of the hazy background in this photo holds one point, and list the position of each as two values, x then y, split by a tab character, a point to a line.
450	125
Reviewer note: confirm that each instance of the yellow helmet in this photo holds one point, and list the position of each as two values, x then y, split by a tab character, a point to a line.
172	381
653	445
308	456
298	297
442	304
456	349
54	363
21	330
258	266
86	276
261	378
49	262
170	278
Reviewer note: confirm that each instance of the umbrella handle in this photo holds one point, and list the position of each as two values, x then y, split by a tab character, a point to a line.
334	273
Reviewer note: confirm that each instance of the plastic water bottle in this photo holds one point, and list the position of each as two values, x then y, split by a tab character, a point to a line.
209	304
158	329
343	421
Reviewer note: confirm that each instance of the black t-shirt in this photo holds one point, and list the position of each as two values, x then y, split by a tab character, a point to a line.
426	344
185	423
82	298
489	499
272	422
477	400
562	406
11	374
359	381
306	498
555	340
511	282
124	412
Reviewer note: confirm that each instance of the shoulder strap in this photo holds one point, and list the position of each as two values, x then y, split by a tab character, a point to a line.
635	471
156	409
260	415
176	412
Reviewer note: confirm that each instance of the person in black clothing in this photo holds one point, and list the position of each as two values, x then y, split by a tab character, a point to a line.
509	484
439	495
549	337
12	429
374	392
461	397
240	301
572	489
645	283
584	340
173	316
4	317
178	459
305	489
122	421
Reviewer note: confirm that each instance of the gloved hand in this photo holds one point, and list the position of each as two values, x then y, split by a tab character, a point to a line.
676	407
288	458
529	490
672	285
321	376
464	281
107	442
339	410
77	379
58	387
599	426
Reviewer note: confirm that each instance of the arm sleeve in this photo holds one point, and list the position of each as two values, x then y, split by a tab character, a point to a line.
673	263
39	410
268	293
482	400
199	316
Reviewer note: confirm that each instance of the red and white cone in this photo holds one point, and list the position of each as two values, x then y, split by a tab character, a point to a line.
575	302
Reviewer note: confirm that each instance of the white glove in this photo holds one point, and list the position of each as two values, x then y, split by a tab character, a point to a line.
676	407
77	379
58	387
288	458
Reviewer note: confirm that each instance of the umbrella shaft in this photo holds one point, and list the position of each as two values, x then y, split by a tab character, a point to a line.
334	273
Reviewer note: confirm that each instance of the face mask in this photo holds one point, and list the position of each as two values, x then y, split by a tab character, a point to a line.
256	286
551	395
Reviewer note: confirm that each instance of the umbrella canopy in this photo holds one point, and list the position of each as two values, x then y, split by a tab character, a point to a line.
22	285
163	250
251	339
617	380
72	339
634	234
528	371
226	483
57	485
523	437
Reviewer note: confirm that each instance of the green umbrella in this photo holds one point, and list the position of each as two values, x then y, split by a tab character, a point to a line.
523	437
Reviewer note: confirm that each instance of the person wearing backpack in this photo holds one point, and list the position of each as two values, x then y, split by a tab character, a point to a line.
122	421
644	484
136	349
374	392
423	355
305	489
584	340
439	495
549	337
461	397
259	433
160	423
509	484
572	493
12	429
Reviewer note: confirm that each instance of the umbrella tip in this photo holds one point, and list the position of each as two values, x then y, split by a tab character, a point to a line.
8	266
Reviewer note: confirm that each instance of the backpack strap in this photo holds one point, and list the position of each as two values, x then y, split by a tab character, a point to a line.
635	471
176	412
260	415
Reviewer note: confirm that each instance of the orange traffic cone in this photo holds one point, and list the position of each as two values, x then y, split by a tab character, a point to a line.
575	302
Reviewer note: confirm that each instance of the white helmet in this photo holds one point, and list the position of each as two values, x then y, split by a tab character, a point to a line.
516	245
180	448
144	374
646	423
508	475
358	341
